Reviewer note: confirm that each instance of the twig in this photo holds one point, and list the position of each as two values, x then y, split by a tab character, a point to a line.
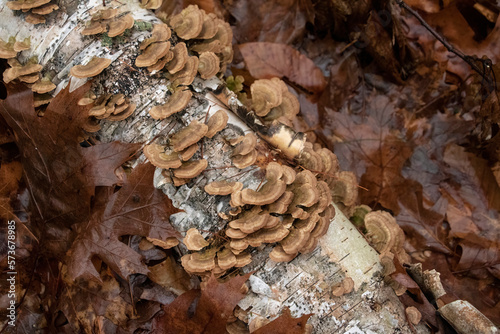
468	59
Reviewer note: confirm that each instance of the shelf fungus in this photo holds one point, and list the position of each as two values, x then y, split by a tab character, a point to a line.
175	103
43	85
267	94
17	70
188	23
152	54
160	33
151	4
223	187
209	65
188	135
385	235
191	169
99	22
244	153
112	107
94	67
270	191
186	75
158	157
179	59
117	26
217	122
194	241
39	8
344	287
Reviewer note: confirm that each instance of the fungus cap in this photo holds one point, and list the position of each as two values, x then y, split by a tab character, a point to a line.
28	4
156	155
161	32
245	144
194	241
279	255
152	54
188	153
384	232
20	70
94	28
22	45
188	23
105	14
243	161
179	59
208	65
45	9
187	74
288	108
122	115
266	94
30	78
270	191
226	259
294	241
118	26
7	50
43	86
35	18
209	27
223	187
243	259
251	220
175	103
216	123
188	135
191	169
91	69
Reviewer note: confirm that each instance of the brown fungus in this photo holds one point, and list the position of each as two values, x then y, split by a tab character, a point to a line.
175	103
17	70
7	50
288	108
188	135
26	5
226	259
244	144
22	45
43	86
209	27
188	153
161	33
94	28
295	240
180	56
216	123
199	262
208	65
91	69
344	188
187	74
266	94
151	4
223	187
119	25
156	155
34	19
383	231
152	54
188	23
250	220
270	191
243	161
45	9
279	255
191	169
194	241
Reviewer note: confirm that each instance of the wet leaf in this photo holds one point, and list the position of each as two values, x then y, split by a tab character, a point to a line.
266	60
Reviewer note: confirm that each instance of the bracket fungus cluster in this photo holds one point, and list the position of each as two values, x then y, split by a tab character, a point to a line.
244	153
176	157
29	74
109	21
112	107
94	67
387	238
35	9
271	101
291	210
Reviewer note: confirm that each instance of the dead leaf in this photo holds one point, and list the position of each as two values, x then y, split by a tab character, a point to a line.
270	21
205	311
60	174
285	324
267	60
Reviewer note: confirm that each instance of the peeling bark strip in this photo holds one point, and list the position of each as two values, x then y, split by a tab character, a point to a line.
304	284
